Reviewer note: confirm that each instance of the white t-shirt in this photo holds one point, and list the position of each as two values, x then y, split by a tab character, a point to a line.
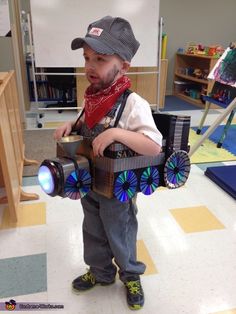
137	117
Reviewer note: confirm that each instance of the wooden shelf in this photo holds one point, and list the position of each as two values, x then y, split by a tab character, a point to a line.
184	62
192	78
197	56
191	100
12	147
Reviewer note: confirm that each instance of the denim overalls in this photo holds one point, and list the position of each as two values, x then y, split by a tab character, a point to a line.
110	226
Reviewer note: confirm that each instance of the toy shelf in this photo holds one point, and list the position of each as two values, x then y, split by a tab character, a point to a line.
190	87
189	99
192	78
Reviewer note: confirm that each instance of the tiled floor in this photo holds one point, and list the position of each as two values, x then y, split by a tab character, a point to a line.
187	238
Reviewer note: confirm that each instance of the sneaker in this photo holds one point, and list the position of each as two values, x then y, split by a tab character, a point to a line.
87	281
135	294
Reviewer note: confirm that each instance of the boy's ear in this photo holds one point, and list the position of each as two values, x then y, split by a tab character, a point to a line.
125	67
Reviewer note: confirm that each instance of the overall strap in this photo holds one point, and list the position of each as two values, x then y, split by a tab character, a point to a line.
80	115
122	106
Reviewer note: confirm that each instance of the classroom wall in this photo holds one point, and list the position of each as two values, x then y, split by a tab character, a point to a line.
6	54
208	22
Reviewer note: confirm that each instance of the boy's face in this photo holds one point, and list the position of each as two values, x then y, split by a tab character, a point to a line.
102	70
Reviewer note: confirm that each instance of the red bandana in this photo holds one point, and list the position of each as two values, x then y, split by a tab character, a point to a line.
99	104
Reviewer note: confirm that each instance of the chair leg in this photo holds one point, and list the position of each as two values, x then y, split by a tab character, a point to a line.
207	107
226	127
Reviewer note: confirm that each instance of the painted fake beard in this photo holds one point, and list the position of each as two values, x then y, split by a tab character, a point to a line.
110	78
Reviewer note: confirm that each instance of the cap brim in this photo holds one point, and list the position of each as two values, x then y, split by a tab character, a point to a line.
93	43
77	43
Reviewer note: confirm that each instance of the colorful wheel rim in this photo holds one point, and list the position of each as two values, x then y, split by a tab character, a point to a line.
125	185
77	184
177	169
149	180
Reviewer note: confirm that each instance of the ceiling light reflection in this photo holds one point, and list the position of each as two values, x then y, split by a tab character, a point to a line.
169	234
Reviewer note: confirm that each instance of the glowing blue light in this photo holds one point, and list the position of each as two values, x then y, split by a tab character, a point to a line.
46	180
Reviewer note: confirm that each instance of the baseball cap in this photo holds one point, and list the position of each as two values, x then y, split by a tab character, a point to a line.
110	35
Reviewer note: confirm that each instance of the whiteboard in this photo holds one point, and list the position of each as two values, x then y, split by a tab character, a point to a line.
4	18
55	23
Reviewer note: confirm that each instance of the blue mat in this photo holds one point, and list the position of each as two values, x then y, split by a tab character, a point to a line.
224	176
229	142
173	103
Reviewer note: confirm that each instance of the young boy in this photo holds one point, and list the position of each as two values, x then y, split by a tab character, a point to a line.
110	226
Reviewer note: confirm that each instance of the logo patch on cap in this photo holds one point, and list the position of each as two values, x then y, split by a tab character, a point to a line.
95	31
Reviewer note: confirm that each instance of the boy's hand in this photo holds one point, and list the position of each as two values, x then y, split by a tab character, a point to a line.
103	140
138	142
63	130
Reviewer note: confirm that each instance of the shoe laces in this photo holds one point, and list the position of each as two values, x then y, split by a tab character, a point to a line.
134	287
89	277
